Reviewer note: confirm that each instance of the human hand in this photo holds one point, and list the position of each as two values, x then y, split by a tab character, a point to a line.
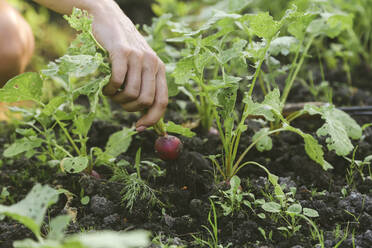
138	80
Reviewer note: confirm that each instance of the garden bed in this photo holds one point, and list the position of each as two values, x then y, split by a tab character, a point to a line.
189	182
191	201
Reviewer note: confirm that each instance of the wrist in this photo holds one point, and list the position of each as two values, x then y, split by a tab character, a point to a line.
66	6
105	7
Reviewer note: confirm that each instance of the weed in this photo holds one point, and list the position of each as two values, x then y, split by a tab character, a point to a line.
232	199
212	241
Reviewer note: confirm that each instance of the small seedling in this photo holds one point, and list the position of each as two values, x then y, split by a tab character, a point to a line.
213	241
233	199
135	188
4	195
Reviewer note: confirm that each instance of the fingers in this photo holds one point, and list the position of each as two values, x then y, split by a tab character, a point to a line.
119	70
147	95
133	80
145	85
156	111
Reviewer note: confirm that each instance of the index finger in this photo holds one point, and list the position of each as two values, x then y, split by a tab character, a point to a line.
157	110
119	71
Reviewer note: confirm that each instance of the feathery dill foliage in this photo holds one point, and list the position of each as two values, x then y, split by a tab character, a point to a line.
135	188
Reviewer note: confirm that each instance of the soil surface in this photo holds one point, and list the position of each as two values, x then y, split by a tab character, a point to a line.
185	188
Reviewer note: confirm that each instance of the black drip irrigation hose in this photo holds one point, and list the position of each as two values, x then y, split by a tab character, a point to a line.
358	110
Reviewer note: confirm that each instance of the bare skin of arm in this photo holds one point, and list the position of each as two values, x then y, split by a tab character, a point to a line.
134	63
16	43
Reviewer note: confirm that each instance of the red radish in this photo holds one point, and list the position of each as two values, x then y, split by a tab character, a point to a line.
95	174
228	183
168	147
213	131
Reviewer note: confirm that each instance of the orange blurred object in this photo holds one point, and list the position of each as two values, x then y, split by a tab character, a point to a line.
7	115
16	43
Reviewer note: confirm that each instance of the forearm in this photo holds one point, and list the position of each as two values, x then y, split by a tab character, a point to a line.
66	6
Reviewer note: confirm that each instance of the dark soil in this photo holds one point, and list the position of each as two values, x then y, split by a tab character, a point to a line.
188	183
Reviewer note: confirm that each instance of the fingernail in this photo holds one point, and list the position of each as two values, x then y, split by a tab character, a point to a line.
141	128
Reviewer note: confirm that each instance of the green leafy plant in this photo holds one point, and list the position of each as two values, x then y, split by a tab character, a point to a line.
232	199
210	74
356	42
341	234
232	52
31	211
283	207
175	7
357	166
263	233
290	216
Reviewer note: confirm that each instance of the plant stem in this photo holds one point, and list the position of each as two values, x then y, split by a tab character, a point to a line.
137	163
262	85
97	43
289	84
241	157
205	105
68	135
159	128
259	67
295	115
63	149
320	236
